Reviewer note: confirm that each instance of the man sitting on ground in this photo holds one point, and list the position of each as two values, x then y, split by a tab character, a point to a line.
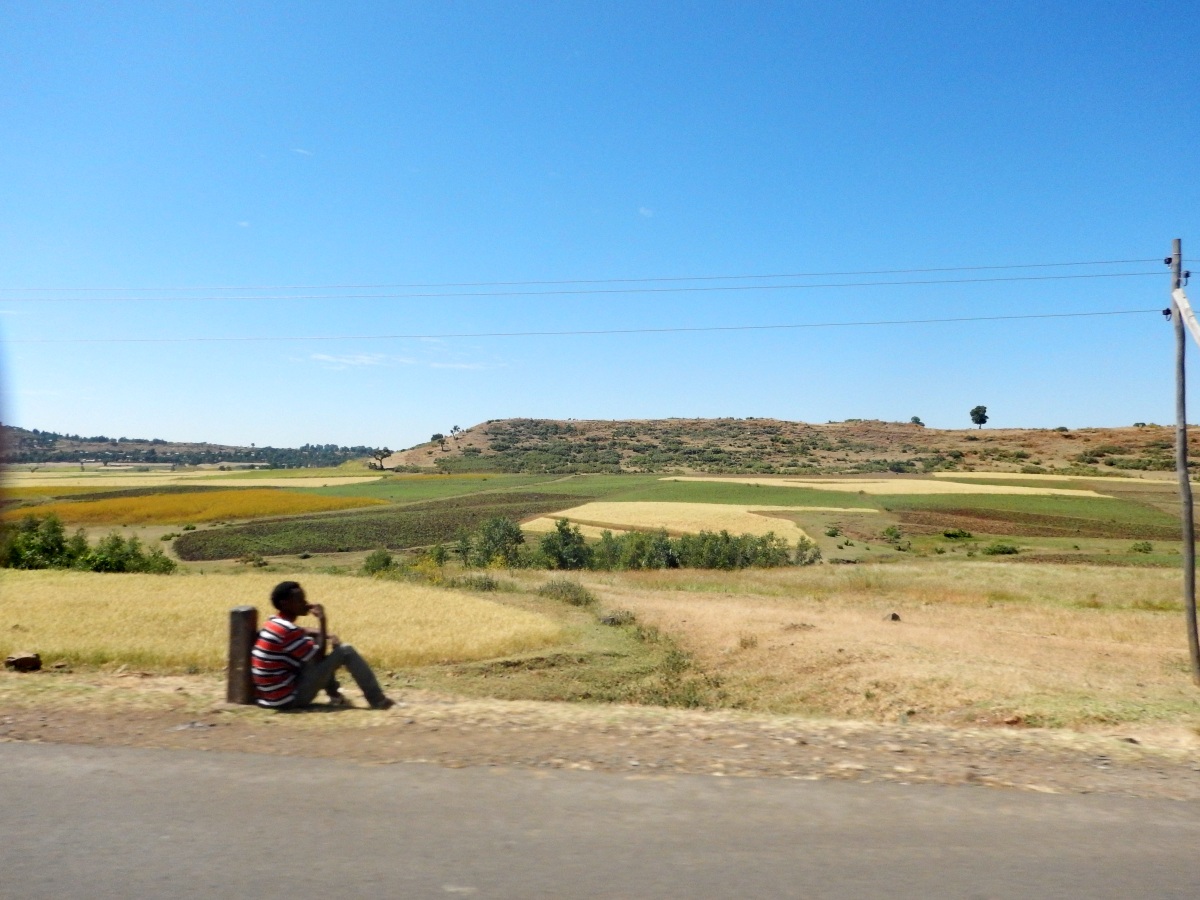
287	663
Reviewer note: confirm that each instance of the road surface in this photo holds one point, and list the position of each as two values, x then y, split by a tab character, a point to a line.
92	822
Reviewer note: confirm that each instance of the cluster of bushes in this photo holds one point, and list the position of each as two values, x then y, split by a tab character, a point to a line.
1000	548
500	543
35	543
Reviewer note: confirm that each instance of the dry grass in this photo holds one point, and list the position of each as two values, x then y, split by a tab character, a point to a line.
114	480
36	492
62	479
294	481
679	518
975	642
1033	476
909	486
181	509
180	623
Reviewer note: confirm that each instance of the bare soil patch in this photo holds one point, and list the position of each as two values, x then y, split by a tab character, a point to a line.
1012	522
188	713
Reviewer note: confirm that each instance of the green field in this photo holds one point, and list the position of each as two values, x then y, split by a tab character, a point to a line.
416	488
431	509
1035	515
417	525
427	509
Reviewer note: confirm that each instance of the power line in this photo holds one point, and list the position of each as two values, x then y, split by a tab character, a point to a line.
449	284
576	333
581	291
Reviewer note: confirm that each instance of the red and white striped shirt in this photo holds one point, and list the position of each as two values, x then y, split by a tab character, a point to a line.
280	652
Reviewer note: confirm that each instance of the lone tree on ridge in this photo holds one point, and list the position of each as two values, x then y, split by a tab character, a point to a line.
379	456
979	415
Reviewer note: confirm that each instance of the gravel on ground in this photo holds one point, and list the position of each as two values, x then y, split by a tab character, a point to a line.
189	712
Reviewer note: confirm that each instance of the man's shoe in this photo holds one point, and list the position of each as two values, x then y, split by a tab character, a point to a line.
383	703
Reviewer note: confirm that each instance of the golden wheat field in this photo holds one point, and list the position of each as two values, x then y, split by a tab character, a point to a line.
62	480
884	487
182	509
544	524
176	623
677	518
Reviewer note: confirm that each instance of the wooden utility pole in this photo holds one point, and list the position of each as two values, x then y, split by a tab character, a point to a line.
1181	461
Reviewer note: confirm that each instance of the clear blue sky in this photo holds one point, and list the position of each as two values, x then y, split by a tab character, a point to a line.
152	147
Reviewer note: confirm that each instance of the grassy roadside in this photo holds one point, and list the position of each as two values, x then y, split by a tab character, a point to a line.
976	644
483	636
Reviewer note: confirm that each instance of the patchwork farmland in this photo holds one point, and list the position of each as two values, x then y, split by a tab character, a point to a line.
1019	592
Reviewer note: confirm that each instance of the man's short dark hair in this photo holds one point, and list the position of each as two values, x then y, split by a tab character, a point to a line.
282	591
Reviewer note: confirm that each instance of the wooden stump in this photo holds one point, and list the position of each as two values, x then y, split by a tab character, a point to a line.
243	629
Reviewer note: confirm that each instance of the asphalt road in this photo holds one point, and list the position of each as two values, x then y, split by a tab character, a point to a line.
99	822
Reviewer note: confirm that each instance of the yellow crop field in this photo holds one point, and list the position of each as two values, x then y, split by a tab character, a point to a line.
1050	476
174	623
202	506
884	487
678	518
292	481
62	480
544	524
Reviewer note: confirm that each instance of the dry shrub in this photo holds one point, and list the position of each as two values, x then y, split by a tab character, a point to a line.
568	591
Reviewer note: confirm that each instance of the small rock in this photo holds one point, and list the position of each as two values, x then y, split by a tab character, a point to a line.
892	617
1013	720
23	662
1130	740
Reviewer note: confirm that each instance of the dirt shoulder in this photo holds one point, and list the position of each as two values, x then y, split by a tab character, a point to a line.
179	712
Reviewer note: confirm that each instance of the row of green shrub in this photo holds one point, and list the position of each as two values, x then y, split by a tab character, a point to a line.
34	543
500	542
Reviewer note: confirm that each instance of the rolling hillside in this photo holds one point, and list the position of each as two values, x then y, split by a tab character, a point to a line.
772	446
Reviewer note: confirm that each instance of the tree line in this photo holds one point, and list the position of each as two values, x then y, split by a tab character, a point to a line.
501	543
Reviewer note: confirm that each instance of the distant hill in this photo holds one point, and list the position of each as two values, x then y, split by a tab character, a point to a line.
772	446
711	446
22	446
